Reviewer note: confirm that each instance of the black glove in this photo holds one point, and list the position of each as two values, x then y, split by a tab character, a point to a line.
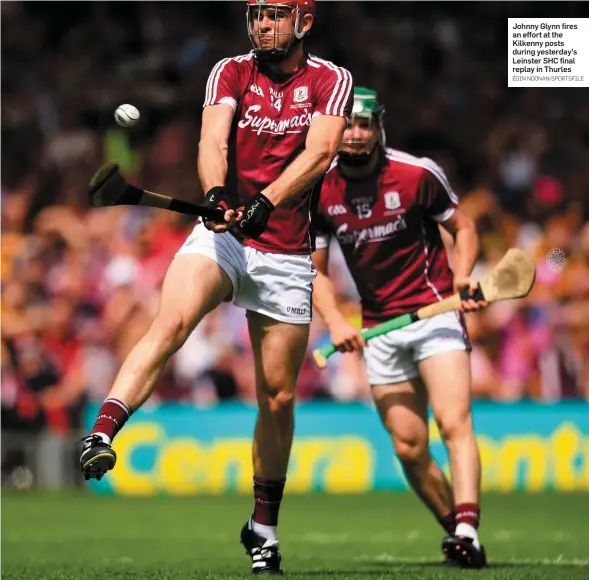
216	198
256	213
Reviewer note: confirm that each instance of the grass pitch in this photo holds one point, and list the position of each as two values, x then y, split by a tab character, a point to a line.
381	535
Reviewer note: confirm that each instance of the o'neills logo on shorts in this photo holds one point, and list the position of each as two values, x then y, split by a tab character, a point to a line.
295	310
267	125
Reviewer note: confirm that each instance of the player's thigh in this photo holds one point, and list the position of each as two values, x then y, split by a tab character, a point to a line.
403	410
279	349
447	376
204	272
194	285
441	351
228	255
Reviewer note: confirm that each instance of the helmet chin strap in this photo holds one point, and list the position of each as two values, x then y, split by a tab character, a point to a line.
276	55
357	159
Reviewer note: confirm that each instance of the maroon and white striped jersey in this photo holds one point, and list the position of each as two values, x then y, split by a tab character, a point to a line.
387	227
272	116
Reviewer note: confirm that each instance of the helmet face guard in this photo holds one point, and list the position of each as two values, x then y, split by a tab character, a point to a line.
370	114
279	49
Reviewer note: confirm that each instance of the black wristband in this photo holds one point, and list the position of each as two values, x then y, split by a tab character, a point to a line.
266	202
217	198
218	189
255	215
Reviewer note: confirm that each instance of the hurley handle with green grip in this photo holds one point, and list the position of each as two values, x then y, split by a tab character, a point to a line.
512	277
322	354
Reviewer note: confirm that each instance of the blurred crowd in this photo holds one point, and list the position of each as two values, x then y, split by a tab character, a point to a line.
80	285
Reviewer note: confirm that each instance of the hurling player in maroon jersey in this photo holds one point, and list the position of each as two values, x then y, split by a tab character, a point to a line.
272	123
384	207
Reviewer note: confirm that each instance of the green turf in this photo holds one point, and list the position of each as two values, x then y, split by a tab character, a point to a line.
67	536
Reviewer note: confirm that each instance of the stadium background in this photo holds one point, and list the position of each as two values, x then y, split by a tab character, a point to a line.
79	286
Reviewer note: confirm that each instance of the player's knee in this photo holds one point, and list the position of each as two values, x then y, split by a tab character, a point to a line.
168	333
455	425
277	400
411	451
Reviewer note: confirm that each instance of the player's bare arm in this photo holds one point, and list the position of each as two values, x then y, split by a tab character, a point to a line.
465	250
212	160
321	146
213	145
345	336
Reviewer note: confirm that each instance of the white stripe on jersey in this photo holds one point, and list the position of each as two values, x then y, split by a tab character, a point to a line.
336	91
426	265
333	164
229	101
213	80
342	88
340	104
331	67
322	241
426	163
444	217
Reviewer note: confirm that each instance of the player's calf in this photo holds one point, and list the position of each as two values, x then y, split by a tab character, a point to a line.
427	480
448	522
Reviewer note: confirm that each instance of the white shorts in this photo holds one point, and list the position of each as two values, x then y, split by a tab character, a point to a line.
393	357
277	285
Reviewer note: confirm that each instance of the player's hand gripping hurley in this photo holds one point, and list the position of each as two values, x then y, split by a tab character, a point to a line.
108	187
512	277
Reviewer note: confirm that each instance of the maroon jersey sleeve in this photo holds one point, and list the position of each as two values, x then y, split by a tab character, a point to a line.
323	227
334	91
434	194
322	231
223	85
